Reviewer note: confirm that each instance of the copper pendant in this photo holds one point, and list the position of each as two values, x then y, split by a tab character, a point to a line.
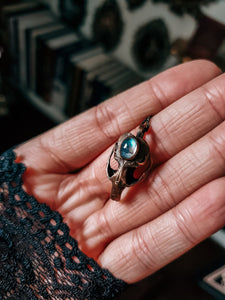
133	156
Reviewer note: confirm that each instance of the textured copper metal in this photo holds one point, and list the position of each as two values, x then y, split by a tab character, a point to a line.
124	175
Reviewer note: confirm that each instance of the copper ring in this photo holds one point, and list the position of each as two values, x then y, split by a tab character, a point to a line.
133	156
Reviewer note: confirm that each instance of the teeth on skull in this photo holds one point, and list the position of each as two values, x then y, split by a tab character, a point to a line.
128	148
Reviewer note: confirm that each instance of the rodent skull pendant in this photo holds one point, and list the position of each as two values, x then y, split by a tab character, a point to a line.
133	156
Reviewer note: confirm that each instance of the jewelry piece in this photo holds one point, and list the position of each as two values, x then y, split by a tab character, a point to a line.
133	156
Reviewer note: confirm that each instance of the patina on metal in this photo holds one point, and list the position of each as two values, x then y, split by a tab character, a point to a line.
133	156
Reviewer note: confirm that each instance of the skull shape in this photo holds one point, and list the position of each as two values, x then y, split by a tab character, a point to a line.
134	160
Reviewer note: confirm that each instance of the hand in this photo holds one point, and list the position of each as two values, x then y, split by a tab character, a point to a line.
181	202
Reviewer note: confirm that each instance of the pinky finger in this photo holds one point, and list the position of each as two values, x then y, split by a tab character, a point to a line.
146	249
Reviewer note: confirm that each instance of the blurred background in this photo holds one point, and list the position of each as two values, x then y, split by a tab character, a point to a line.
61	57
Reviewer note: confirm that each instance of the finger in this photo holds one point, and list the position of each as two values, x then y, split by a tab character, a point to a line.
75	143
193	167
144	250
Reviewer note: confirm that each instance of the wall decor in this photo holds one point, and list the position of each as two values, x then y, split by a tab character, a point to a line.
180	7
72	11
151	45
108	25
133	4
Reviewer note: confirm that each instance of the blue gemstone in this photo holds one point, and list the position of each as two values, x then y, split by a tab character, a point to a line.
128	148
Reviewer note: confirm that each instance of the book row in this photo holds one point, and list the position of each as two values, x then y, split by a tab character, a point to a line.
60	65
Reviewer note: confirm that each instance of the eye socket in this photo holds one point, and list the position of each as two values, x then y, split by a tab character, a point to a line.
130	179
113	163
112	166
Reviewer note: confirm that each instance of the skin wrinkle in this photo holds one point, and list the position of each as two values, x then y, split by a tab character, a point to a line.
218	142
162	235
105	196
212	93
131	119
216	211
160	90
164	153
57	198
102	113
188	164
60	164
103	226
157	92
162	179
81	142
158	255
105	116
141	249
162	197
81	192
110	213
72	143
64	191
181	218
96	227
186	214
173	143
77	197
129	99
97	231
76	219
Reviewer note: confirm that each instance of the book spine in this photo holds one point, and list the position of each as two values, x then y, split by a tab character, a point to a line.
74	91
45	62
59	88
14	45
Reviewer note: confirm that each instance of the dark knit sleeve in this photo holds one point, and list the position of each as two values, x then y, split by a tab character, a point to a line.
38	257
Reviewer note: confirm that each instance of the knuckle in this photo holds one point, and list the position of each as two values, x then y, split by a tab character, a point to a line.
182	219
217	142
157	92
141	250
107	121
104	228
160	193
165	139
48	147
214	95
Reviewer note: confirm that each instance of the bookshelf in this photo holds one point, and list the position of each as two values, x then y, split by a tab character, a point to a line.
48	109
58	69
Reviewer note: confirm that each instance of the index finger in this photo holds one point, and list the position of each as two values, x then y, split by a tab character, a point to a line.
78	141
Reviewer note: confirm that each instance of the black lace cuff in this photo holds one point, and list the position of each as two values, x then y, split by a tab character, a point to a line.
38	257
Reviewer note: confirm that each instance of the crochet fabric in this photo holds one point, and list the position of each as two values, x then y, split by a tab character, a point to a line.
38	257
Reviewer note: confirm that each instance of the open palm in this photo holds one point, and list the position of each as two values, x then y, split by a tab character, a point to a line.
180	203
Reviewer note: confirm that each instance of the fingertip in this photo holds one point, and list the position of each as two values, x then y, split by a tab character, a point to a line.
205	65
